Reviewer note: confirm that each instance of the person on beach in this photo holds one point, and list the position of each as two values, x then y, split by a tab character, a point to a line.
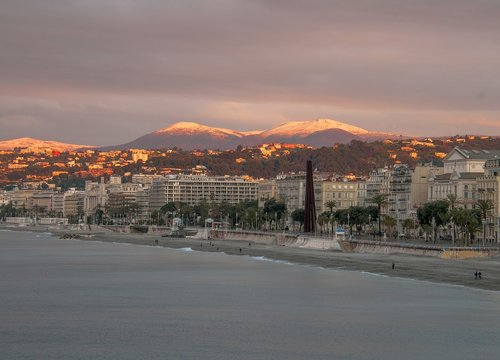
240	250
156	241
475	275
393	266
479	275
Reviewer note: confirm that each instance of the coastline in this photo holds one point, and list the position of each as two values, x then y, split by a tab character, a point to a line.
426	268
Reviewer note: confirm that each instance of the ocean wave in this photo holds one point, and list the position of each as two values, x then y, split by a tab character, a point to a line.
185	249
263	258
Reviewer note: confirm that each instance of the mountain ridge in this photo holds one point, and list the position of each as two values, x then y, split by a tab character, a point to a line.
191	135
38	144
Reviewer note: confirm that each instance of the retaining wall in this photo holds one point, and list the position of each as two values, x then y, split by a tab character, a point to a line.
374	247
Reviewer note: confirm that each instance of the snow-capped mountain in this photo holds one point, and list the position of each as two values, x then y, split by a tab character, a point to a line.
37	145
190	135
195	128
305	128
186	135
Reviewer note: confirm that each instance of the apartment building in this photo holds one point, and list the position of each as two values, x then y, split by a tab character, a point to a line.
344	193
488	188
267	190
291	189
461	170
192	189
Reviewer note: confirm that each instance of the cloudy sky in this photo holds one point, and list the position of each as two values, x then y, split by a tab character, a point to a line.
105	72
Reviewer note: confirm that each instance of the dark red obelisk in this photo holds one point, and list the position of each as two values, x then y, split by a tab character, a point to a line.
310	207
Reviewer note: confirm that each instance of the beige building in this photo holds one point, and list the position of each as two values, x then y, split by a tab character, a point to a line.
344	193
420	183
41	201
192	189
488	188
73	202
95	196
378	183
21	197
267	190
291	190
461	170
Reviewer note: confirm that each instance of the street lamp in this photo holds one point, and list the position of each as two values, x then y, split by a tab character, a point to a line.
484	230
369	222
433	229
348	224
331	221
452	230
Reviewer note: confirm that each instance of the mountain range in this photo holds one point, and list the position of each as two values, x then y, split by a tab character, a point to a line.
190	135
37	145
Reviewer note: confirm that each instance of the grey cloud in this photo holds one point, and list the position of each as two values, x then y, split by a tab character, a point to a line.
381	55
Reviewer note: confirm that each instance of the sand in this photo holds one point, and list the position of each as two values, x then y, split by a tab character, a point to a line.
456	272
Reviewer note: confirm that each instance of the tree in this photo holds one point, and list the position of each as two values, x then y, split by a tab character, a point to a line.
408	224
274	210
484	206
323	219
453	203
331	204
433	214
358	216
469	222
380	201
389	223
298	215
99	214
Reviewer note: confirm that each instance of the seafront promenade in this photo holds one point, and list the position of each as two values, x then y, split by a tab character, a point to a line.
406	265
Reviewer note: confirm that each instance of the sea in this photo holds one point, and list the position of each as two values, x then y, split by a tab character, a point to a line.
73	299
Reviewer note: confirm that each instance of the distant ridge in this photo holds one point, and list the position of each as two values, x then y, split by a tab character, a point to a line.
191	135
39	145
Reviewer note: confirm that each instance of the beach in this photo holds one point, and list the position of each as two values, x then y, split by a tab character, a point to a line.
448	271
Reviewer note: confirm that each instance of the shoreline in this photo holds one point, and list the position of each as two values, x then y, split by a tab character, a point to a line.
436	270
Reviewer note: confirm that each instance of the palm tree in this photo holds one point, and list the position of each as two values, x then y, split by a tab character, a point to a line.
330	204
390	223
485	206
380	200
407	225
453	202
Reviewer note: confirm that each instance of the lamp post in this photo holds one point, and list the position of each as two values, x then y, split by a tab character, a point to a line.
484	230
349	224
452	231
331	222
433	229
369	222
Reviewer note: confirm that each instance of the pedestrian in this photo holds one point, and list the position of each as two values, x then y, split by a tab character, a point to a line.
475	275
393	266
156	241
479	275
249	244
240	250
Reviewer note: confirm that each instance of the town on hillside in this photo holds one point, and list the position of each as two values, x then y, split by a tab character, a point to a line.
434	190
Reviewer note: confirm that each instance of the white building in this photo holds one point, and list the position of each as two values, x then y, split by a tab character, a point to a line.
461	170
488	188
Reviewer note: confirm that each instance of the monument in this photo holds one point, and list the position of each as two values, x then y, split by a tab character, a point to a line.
310	206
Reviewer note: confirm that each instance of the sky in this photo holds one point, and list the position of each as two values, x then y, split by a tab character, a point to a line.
106	72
